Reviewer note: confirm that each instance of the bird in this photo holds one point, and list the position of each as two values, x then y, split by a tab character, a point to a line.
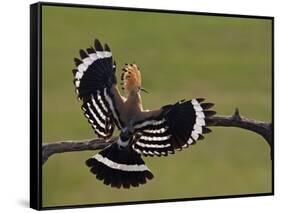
142	133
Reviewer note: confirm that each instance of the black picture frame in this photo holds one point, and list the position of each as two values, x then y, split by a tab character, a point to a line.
36	102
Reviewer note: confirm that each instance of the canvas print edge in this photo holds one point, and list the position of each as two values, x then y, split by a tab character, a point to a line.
36	101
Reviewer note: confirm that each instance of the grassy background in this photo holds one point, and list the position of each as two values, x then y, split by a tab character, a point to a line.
227	60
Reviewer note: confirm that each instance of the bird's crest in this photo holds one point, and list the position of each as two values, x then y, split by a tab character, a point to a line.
131	77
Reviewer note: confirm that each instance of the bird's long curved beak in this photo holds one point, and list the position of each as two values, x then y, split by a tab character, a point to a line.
144	90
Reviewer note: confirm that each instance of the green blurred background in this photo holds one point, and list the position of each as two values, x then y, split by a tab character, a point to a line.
226	60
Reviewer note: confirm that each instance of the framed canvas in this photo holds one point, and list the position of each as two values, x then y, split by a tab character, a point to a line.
142	105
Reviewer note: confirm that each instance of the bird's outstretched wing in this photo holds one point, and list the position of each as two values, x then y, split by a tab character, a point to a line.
95	85
172	127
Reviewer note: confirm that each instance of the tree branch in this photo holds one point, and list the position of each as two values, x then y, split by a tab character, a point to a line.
70	146
262	128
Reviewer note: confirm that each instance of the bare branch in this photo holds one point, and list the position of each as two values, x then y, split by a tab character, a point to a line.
262	128
49	149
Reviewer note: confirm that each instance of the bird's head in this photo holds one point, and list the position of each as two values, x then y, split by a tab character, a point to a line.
131	79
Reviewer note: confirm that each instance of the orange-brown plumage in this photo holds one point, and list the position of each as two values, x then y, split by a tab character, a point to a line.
131	78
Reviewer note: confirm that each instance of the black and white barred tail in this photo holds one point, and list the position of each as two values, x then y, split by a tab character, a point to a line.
177	127
119	167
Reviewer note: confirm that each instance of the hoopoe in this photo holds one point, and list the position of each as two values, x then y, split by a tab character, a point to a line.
142	132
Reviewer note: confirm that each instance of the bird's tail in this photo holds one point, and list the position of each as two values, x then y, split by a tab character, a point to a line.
119	167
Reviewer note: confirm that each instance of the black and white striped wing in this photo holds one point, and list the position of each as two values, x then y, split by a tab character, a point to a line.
176	127
95	81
